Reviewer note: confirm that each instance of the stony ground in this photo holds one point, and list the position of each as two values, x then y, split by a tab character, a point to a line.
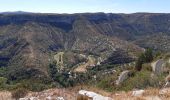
71	94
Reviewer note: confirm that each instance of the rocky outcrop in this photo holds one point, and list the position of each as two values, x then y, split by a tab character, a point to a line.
59	59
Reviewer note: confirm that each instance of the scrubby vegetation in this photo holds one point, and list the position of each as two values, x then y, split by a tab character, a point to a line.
140	77
16	80
3	82
60	78
101	76
142	80
66	78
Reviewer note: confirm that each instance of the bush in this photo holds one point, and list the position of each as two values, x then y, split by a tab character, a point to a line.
106	83
33	85
62	78
148	55
19	93
142	80
36	86
3	82
145	57
139	62
131	73
3	71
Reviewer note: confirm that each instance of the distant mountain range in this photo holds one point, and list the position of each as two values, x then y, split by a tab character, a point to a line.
15	12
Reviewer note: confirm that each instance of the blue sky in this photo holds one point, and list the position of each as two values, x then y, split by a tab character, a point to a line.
80	6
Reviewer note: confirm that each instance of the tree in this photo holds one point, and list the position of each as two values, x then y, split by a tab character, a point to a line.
145	57
53	70
148	55
139	62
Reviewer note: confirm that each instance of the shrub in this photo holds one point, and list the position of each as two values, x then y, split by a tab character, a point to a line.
37	87
61	78
139	62
2	82
148	55
145	57
19	93
131	73
107	83
140	80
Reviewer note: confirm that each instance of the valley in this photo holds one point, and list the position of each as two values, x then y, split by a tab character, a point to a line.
42	55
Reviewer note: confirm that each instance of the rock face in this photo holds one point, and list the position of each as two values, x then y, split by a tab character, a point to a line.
158	66
123	76
59	59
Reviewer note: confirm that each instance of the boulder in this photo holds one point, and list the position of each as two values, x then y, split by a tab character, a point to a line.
93	95
167	81
158	66
23	98
60	98
137	92
123	76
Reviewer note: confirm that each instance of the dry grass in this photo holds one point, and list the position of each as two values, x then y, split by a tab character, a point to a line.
82	97
165	94
4	95
19	93
72	94
126	96
152	91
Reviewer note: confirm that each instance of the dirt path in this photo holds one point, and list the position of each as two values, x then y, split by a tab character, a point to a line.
83	67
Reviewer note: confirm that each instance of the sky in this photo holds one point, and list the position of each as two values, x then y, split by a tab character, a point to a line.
82	6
